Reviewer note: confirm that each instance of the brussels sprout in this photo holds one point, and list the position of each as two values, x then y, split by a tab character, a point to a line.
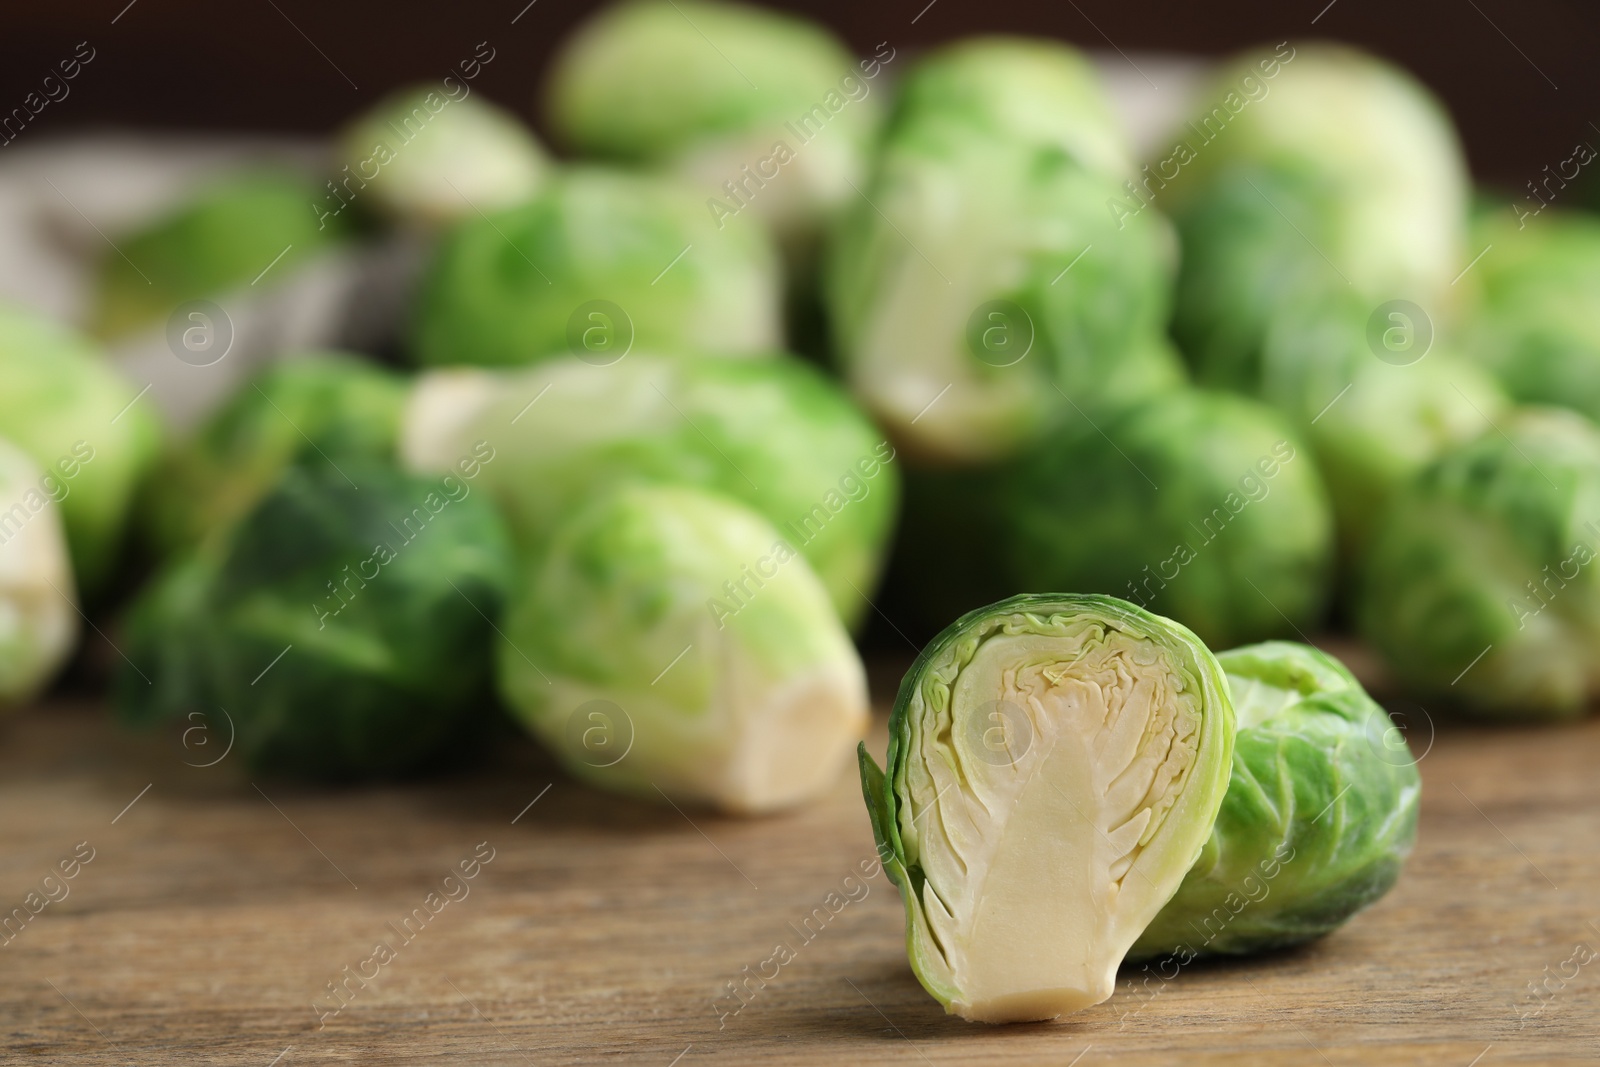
981	280
1025	90
1198	505
598	262
759	108
1311	170
1534	323
38	618
432	157
321	404
64	406
1320	813
774	434
223	236
1478	584
344	629
626	654
1373	417
1055	766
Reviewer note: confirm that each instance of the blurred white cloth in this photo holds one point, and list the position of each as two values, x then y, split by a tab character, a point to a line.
63	202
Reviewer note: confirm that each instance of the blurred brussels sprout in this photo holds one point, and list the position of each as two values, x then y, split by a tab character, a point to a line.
1309	170
1025	90
626	653
224	235
319	405
759	109
1055	766
434	157
598	263
38	616
344	626
1478	584
81	422
774	434
1198	505
1534	322
1320	813
1374	412
982	288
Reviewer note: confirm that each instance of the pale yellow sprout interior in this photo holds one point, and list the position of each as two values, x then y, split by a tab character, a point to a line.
1032	807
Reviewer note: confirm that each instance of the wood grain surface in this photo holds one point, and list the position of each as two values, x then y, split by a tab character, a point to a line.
216	910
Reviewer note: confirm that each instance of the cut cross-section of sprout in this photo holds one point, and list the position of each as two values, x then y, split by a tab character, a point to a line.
1055	765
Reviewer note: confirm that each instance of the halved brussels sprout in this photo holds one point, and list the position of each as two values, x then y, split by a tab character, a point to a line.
433	157
1320	814
981	280
1373	417
1312	169
1534	322
631	654
1480	587
598	263
222	236
343	627
775	434
758	108
1203	506
64	405
38	616
1055	766
329	402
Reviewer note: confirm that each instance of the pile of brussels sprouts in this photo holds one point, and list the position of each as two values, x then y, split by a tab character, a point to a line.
797	344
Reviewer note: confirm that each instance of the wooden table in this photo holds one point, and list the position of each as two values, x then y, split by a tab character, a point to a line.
215	912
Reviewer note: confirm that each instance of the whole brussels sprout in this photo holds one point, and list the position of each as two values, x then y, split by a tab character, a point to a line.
598	263
1055	766
1534	322
1026	90
1199	505
1320	814
626	654
984	280
1313	169
345	630
222	236
774	434
762	109
38	617
433	157
1373	415
63	405
319	404
1478	586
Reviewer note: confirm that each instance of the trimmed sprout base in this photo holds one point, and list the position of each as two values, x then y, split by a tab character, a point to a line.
1055	765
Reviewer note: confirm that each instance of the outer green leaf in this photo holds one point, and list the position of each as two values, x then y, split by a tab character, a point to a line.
672	643
63	405
773	433
1320	814
343	629
1480	585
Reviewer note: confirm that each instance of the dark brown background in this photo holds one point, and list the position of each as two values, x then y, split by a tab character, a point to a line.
244	64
